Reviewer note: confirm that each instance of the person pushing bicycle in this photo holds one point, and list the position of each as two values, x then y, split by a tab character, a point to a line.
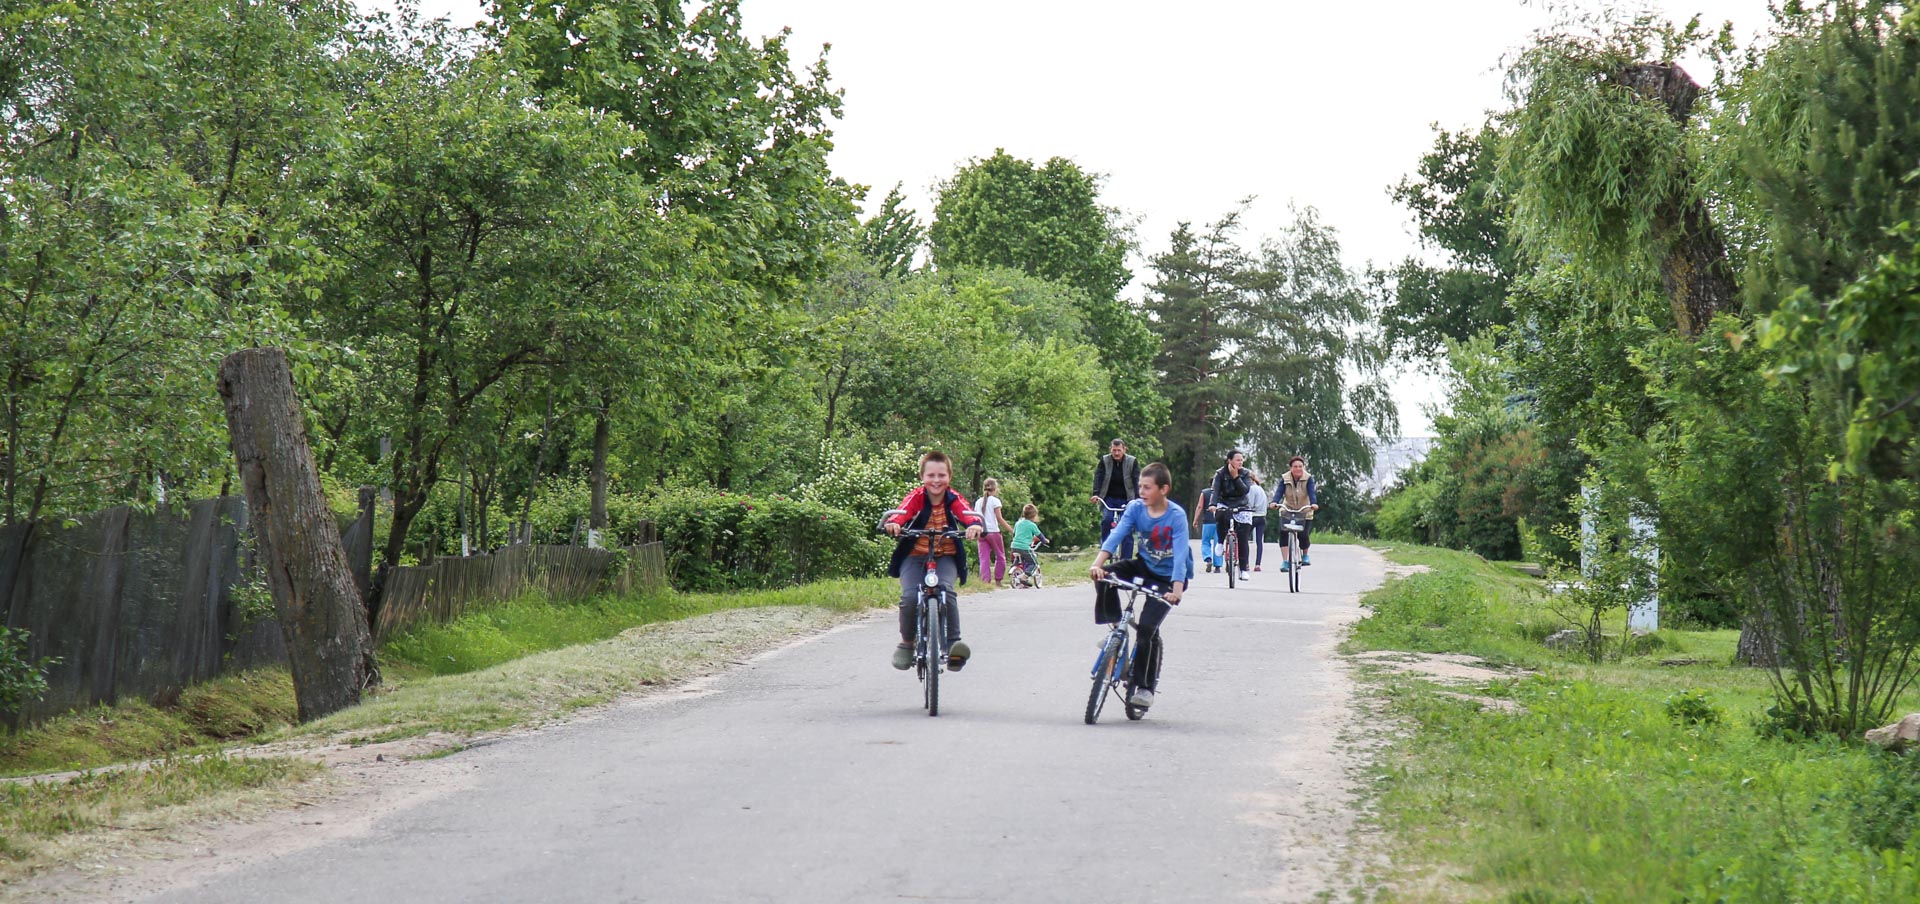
931	506
1164	561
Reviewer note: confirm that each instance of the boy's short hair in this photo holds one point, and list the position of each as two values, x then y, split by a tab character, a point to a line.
933	456
1299	458
1030	512
1157	473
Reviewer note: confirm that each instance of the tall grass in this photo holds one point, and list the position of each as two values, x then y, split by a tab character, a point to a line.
1625	781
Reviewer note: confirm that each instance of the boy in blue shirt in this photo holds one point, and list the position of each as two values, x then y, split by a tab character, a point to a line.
1164	561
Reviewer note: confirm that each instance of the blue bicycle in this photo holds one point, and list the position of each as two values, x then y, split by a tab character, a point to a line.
1113	670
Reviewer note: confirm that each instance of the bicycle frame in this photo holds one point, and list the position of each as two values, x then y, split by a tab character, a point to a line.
1291	524
1113	667
1232	541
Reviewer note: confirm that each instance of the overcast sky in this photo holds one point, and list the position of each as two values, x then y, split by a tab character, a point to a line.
1186	108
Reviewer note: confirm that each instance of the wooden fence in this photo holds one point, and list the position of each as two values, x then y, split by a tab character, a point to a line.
136	605
446	588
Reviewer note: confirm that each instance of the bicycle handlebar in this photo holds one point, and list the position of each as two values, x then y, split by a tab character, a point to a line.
1135	585
1292	511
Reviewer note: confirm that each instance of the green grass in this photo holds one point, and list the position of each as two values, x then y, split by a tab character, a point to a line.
35	813
534	623
1600	789
227	708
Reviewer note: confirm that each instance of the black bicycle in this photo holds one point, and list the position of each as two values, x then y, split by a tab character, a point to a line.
929	623
1232	539
1291	525
1113	669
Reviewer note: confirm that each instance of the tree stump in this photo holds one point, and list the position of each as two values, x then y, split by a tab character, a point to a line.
328	644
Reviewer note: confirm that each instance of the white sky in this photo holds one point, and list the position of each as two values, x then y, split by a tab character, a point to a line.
1186	108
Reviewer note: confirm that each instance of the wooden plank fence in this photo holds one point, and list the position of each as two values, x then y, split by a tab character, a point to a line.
447	588
138	605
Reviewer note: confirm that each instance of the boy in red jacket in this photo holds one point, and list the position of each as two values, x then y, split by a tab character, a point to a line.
934	506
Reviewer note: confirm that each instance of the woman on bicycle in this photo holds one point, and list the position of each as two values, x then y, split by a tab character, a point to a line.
1297	491
932	506
1165	562
1231	486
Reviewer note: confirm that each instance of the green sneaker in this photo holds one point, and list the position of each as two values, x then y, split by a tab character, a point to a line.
903	657
957	655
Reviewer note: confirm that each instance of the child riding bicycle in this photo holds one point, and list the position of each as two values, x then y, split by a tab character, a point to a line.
1026	538
932	506
1165	562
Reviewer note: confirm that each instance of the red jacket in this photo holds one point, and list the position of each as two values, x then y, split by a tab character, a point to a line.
914	513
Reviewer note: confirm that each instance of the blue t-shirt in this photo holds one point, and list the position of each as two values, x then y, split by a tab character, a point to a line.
1161	542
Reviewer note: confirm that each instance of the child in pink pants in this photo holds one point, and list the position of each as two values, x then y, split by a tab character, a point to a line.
993	542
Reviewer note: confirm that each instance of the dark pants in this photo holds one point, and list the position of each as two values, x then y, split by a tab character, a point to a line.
1224	520
1107	609
1109	518
1259	539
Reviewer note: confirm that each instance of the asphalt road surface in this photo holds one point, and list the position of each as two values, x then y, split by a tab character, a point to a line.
813	775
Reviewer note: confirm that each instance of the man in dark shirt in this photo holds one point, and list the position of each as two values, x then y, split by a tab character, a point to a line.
1116	481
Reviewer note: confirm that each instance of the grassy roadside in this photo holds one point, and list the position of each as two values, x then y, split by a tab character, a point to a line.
1623	781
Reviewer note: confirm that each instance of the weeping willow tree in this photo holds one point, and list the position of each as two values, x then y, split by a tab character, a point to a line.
1627	187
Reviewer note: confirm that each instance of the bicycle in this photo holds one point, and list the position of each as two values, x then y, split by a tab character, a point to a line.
929	623
1022	577
1232	550
1291	525
1113	668
1111	519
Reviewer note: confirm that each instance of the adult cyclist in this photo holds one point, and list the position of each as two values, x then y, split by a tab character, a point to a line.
1232	485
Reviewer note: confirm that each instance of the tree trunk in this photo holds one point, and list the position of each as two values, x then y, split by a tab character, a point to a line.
328	644
1694	270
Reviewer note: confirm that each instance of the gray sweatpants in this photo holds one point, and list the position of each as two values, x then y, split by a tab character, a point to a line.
912	572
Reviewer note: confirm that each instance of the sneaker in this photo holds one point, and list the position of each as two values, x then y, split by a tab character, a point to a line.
903	657
1245	576
1285	567
957	656
1256	568
1142	698
1306	559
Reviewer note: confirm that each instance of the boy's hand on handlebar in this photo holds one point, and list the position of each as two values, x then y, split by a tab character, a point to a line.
973	532
893	529
1173	596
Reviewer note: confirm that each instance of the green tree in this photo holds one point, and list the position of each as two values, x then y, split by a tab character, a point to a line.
1460	212
1047	221
724	127
892	237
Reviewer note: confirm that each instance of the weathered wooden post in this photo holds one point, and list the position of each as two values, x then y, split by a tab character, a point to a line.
328	644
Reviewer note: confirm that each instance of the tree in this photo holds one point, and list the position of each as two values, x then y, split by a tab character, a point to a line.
724	128
891	238
1460	211
1262	351
329	645
488	235
1047	221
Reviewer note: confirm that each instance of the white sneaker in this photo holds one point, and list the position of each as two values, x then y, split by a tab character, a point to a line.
1245	576
1141	698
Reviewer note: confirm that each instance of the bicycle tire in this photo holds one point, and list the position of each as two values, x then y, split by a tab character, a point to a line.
931	684
1233	556
1293	562
1102	677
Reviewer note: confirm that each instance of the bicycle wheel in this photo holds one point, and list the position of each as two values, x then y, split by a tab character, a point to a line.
1233	556
1102	676
1293	561
935	653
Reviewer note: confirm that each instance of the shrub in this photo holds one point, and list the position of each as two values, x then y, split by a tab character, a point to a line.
22	680
863	485
720	541
1691	707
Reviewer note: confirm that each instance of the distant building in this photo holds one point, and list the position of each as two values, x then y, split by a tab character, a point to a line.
1391	456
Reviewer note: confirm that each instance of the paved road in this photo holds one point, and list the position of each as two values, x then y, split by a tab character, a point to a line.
813	775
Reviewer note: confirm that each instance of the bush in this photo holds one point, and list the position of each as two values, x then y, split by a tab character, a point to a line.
720	541
1691	707
22	680
863	485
